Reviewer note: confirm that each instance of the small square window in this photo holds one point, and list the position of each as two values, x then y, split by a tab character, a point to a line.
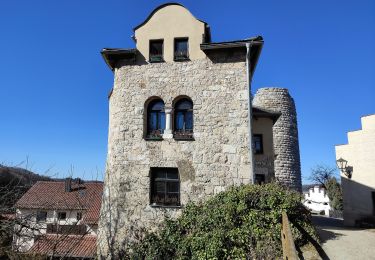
165	187
156	51
61	215
258	143
79	216
41	216
181	49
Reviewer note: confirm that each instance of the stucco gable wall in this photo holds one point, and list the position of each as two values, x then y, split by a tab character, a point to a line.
168	23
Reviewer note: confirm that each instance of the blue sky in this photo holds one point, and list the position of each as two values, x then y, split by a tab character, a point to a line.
54	83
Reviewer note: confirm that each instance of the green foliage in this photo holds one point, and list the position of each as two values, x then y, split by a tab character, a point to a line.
241	223
334	193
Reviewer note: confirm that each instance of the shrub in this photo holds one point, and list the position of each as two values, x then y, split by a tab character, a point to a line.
243	222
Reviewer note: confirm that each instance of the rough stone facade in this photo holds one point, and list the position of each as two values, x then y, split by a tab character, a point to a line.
214	78
285	135
216	159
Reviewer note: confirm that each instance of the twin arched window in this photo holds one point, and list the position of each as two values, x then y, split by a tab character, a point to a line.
182	122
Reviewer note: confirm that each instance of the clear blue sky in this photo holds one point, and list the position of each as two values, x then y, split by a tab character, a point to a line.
54	83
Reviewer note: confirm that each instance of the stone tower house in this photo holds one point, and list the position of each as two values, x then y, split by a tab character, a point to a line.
179	124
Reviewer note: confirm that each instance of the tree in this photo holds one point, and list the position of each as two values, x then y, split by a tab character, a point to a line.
326	177
320	174
334	193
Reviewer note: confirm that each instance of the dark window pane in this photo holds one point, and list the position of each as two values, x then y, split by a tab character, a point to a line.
41	216
181	48
171	199
157	105
159	187
172	187
184	104
161	121
172	175
160	174
156	47
189	120
258	144
180	121
152	121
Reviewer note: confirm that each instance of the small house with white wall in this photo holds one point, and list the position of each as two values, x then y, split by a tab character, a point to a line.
316	200
58	219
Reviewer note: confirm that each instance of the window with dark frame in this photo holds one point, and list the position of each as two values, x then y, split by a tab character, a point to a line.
181	49
258	143
183	119
79	216
156	50
155	119
41	216
61	215
165	187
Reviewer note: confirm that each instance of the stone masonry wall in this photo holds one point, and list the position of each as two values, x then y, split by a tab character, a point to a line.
285	135
215	160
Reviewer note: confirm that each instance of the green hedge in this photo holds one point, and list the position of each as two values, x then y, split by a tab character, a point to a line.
241	223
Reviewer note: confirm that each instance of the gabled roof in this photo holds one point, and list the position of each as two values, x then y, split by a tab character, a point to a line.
160	7
52	195
69	246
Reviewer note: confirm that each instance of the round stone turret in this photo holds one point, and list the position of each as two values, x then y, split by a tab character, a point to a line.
285	135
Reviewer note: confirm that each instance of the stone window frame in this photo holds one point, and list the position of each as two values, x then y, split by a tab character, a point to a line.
146	134
261	150
181	58
156	58
166	180
185	136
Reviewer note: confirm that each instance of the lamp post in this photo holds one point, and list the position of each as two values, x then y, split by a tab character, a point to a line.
342	164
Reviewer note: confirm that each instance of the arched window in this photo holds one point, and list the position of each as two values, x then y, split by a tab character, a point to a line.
155	119
183	119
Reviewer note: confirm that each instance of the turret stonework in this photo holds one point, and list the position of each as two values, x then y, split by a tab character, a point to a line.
285	135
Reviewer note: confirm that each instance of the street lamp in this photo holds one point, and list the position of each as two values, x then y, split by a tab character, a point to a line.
342	164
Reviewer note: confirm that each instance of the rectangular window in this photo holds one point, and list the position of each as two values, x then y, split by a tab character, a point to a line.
156	51
61	215
79	216
258	143
181	49
165	187
41	216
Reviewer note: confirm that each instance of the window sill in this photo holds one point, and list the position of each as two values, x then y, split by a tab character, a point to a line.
154	138
184	138
181	59
156	60
165	206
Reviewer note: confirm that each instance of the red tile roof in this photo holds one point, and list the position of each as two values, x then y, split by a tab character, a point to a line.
52	195
65	246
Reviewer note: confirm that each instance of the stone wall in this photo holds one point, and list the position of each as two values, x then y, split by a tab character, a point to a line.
285	135
216	159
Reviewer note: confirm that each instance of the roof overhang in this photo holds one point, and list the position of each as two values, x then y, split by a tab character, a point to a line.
265	113
112	56
256	48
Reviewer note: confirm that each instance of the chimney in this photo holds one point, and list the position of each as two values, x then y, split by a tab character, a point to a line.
68	184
